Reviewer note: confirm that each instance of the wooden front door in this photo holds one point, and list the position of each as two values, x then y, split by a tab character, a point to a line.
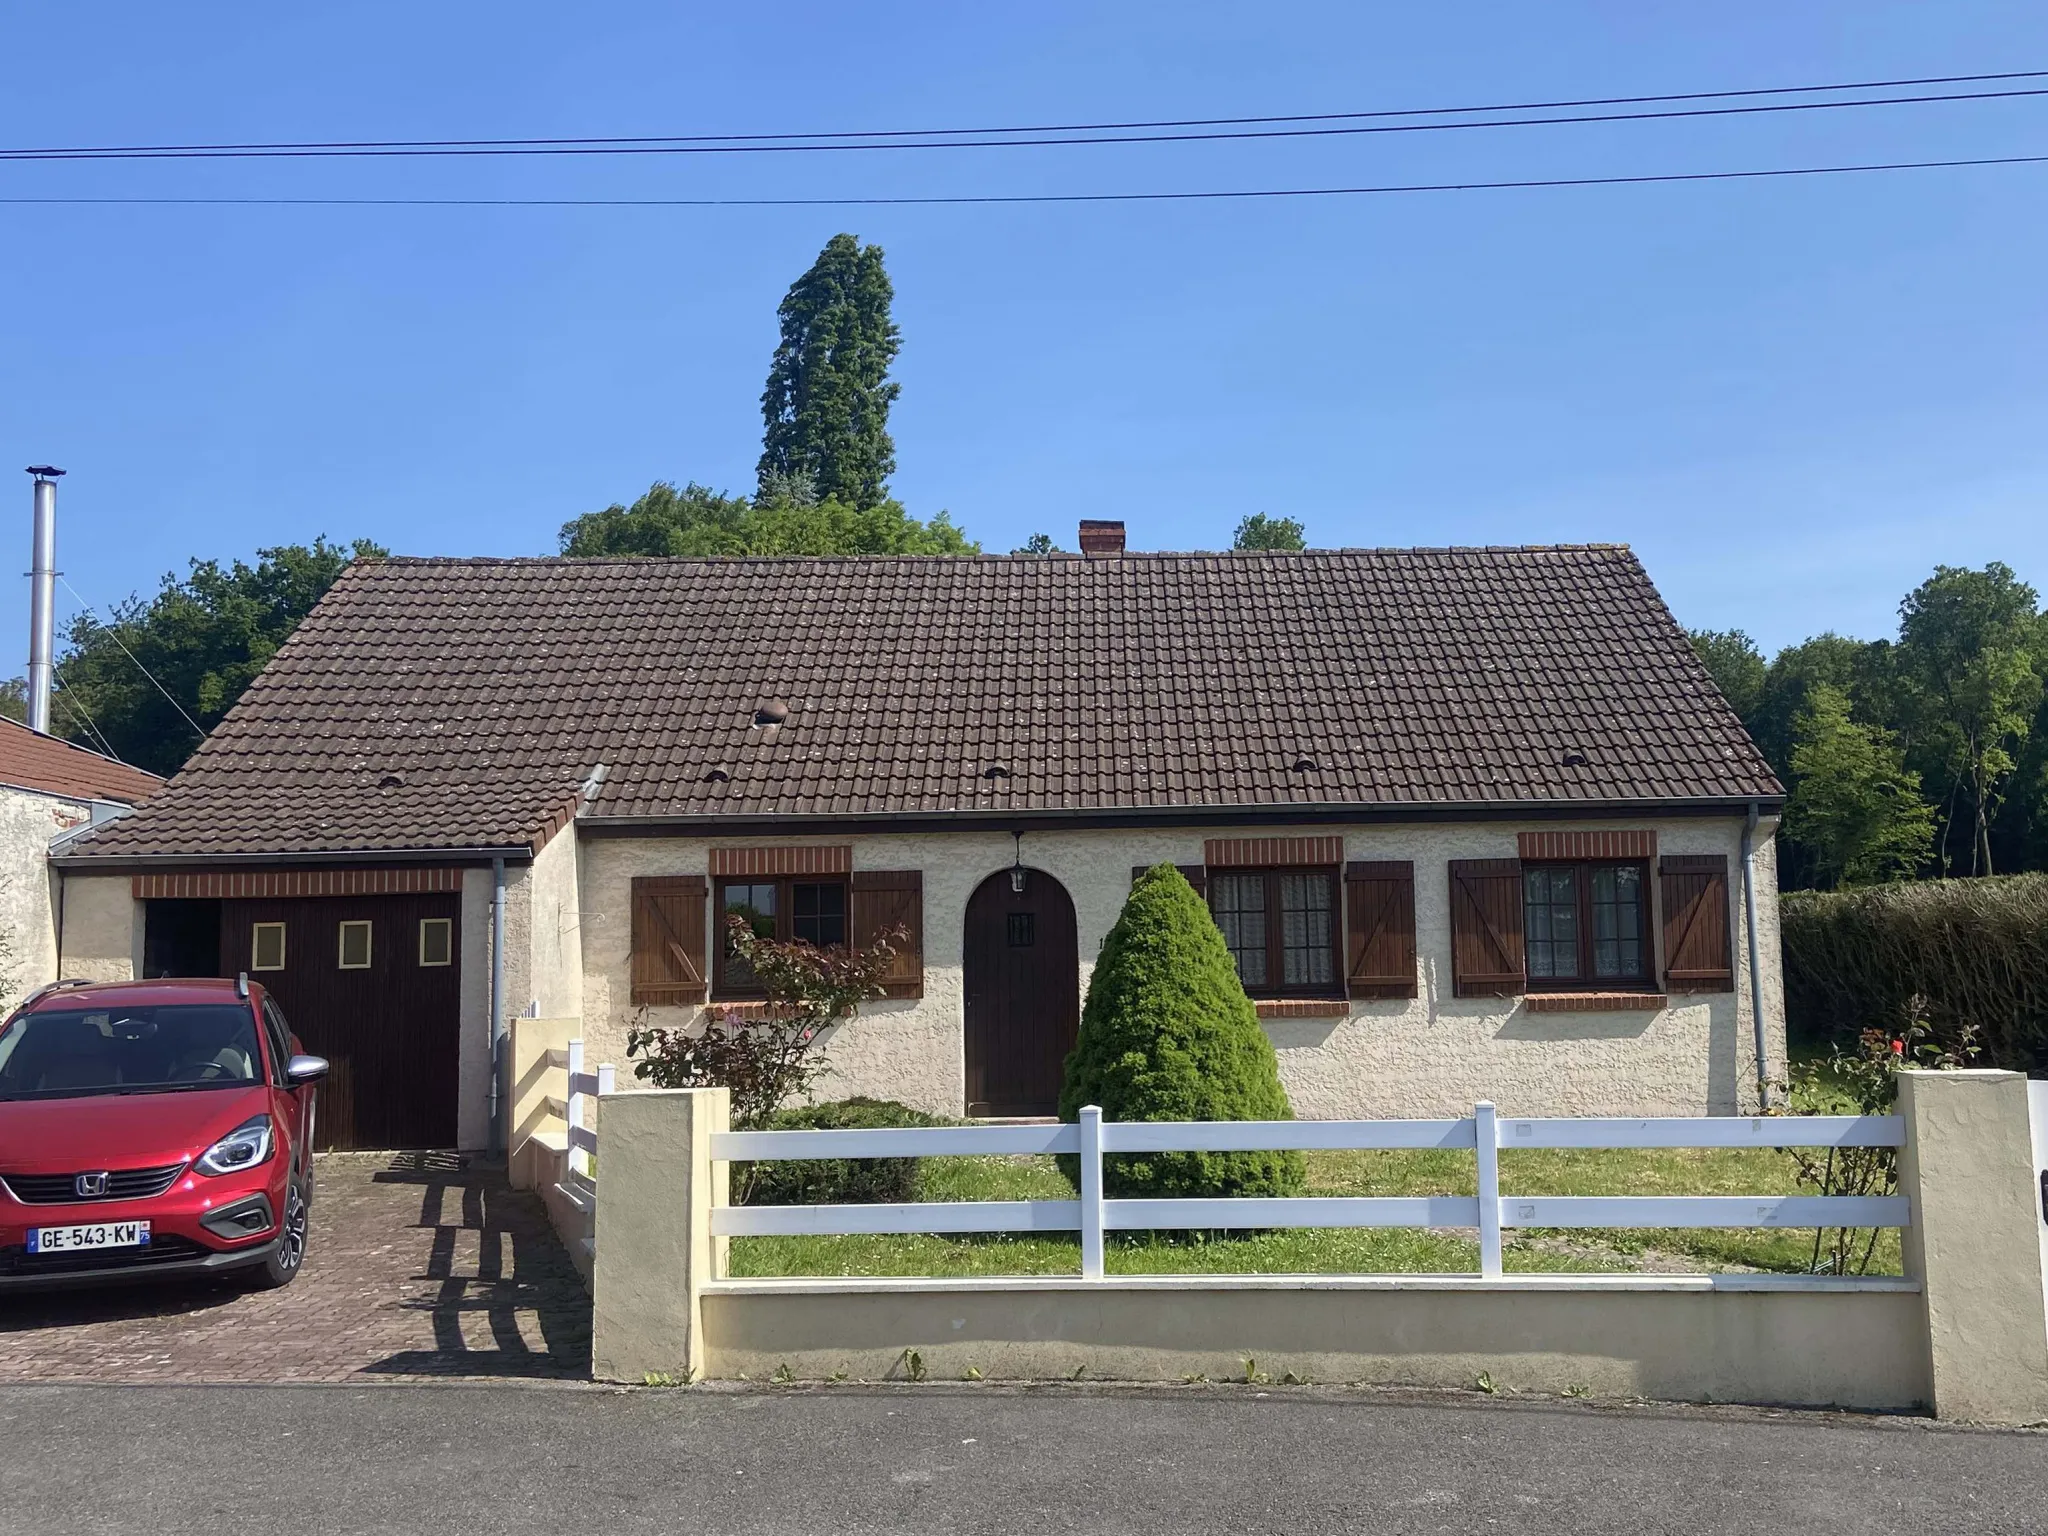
1023	986
382	1005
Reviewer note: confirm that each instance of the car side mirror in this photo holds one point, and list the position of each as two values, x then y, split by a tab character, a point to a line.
301	1070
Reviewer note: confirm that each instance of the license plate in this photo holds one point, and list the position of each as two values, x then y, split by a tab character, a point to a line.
98	1234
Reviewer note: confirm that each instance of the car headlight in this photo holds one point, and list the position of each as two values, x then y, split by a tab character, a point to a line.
244	1147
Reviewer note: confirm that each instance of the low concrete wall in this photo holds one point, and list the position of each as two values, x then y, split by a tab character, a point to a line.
1691	1338
1965	1333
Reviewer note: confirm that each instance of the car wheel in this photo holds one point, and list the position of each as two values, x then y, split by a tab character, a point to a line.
289	1254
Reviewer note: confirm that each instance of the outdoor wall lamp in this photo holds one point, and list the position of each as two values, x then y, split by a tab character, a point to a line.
1017	870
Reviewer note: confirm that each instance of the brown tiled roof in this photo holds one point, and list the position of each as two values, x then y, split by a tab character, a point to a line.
31	760
459	704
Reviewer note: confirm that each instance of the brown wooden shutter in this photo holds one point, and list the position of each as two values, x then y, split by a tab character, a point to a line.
1379	914
1195	874
892	898
1694	888
1486	927
668	939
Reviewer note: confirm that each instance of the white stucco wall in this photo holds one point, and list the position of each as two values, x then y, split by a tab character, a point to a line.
100	928
28	886
1434	1054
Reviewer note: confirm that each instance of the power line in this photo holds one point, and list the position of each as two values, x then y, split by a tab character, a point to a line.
524	148
1113	127
114	634
1010	198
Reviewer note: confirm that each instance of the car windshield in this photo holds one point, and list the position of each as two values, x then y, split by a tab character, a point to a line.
151	1049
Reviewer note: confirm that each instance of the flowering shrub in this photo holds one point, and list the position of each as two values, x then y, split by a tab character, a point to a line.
767	1055
1868	1076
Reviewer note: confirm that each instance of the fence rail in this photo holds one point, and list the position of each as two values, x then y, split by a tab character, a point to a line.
1483	1133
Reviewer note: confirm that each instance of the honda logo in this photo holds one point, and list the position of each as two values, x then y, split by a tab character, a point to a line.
90	1186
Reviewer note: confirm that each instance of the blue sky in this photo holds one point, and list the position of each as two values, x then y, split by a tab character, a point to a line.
1792	397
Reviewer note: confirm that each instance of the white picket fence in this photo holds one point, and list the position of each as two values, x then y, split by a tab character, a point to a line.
1483	1133
578	1185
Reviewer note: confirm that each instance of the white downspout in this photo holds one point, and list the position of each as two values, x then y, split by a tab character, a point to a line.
497	1007
1756	979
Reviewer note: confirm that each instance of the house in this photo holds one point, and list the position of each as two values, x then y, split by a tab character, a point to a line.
49	790
1473	821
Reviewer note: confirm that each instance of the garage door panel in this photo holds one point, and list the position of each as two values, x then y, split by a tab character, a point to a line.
391	1028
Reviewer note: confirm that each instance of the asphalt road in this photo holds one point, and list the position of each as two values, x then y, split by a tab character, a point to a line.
570	1462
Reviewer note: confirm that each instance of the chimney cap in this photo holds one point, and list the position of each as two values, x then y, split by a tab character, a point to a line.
1102	536
44	471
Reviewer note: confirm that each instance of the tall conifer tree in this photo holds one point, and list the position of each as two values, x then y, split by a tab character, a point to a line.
826	406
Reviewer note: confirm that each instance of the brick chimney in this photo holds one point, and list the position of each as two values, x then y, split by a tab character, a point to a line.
1101	538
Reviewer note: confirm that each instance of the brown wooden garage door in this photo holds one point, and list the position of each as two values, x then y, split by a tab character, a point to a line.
387	1019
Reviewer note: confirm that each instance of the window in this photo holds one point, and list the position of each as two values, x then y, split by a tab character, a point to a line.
280	1038
437	941
814	911
1586	924
355	946
266	947
1280	926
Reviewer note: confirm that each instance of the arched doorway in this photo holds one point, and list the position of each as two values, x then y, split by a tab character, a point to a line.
1022	973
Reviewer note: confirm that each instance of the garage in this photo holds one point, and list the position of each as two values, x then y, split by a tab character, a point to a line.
370	979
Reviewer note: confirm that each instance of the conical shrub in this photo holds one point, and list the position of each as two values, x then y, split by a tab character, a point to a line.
1168	1034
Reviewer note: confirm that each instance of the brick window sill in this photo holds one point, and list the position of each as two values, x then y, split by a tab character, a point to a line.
1302	1008
1594	1002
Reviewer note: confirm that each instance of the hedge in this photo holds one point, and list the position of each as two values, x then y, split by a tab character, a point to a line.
836	1180
1965	951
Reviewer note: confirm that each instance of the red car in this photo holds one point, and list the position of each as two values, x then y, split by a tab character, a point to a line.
153	1129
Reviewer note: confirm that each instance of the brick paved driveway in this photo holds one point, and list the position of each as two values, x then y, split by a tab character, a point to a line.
419	1266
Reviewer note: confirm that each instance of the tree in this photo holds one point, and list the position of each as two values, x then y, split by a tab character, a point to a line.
826	407
1736	664
1038	544
1830	659
1855	805
201	640
1971	651
697	521
1168	1034
14	699
1262	532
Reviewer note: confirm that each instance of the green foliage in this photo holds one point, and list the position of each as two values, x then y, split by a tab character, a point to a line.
1168	1034
1262	532
837	1180
826	407
1829	660
1952	954
764	1060
696	521
203	638
1972	648
1737	665
1854	803
1038	544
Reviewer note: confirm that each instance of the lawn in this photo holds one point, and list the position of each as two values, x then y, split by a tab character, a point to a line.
1350	1250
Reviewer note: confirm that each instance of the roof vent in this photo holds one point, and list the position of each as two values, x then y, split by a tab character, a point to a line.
391	781
1304	765
1101	537
995	771
718	776
774	712
1575	759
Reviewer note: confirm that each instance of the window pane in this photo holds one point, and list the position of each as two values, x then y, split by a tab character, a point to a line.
266	947
437	941
1618	921
818	913
1550	918
1305	919
755	903
355	946
1239	903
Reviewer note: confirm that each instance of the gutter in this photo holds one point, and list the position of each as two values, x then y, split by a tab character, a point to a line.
984	819
1756	990
122	863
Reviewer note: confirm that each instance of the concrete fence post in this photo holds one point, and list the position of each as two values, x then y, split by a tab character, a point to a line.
656	1185
1975	1243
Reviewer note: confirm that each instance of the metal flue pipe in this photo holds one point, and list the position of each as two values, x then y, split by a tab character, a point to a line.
42	599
